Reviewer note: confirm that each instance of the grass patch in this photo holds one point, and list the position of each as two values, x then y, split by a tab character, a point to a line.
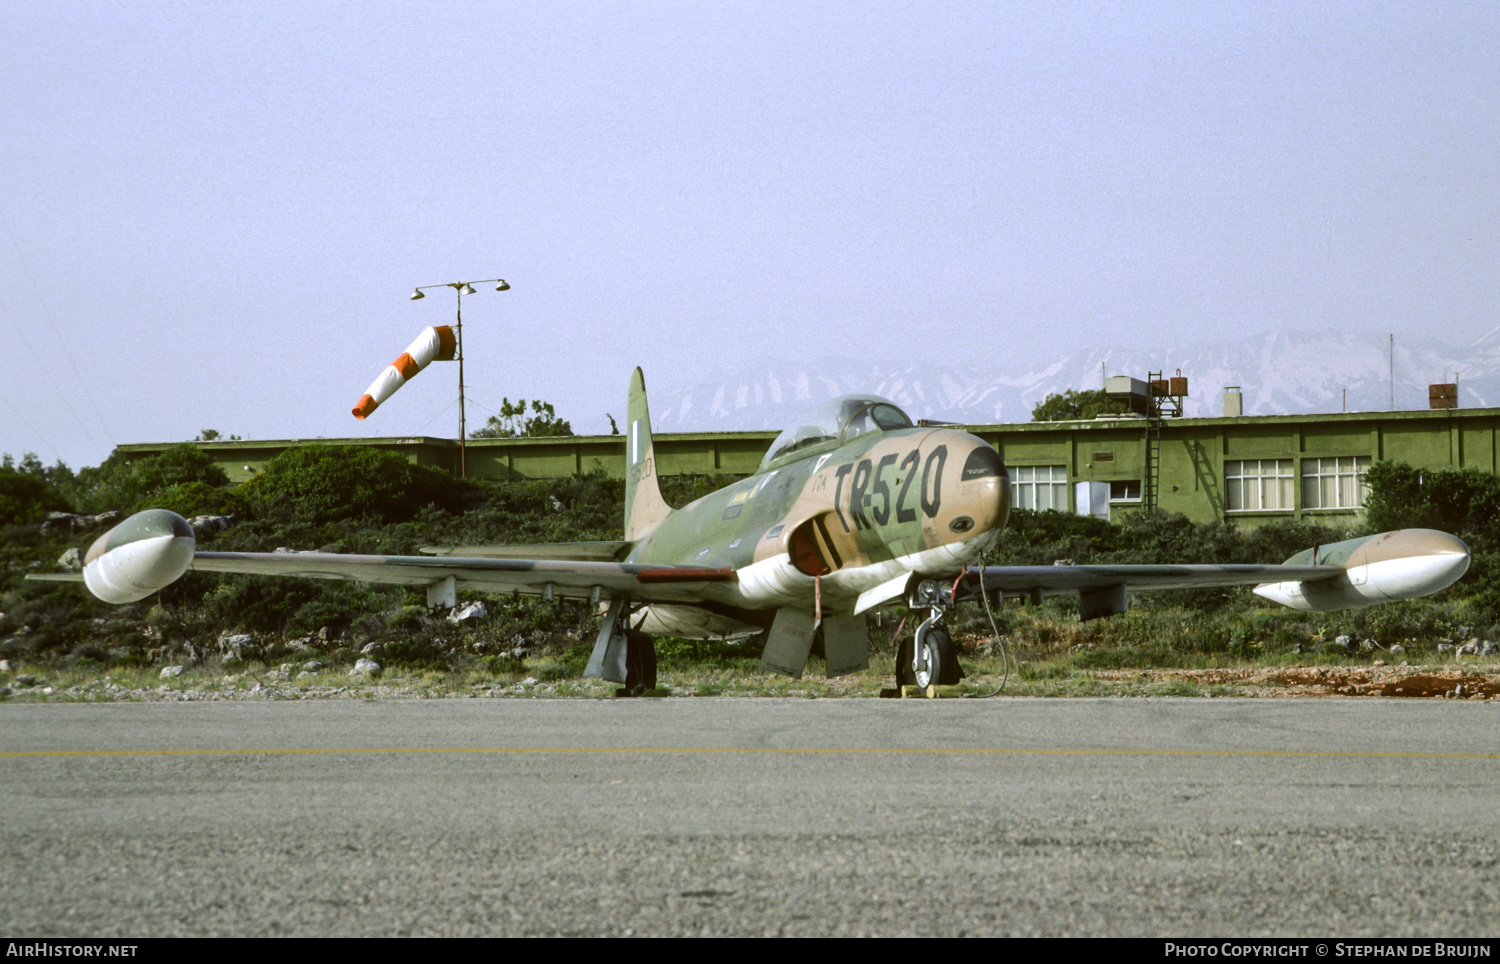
551	671
1052	652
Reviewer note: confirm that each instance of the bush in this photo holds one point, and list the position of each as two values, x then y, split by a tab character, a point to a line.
1040	538
1460	501
264	604
315	484
1280	540
422	653
46	617
500	665
128	484
199	498
25	499
581	509
1464	502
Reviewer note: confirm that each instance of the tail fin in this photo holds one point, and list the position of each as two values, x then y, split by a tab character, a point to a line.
645	509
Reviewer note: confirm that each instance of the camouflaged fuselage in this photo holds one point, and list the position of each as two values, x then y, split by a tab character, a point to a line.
856	516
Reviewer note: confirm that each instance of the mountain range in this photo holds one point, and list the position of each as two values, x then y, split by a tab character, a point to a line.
1279	372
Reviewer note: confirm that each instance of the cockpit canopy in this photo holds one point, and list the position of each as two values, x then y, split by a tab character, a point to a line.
836	421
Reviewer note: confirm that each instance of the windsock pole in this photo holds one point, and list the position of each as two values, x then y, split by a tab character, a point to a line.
463	288
463	425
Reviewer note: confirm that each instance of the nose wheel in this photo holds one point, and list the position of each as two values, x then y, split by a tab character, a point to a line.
928	659
927	664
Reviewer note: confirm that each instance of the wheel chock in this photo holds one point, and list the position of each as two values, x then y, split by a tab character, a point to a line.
933	692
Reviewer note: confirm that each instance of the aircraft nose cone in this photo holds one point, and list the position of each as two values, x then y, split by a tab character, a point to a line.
983	489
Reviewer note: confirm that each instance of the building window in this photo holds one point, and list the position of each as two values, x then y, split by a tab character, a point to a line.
1259	485
1125	491
1334	483
1039	487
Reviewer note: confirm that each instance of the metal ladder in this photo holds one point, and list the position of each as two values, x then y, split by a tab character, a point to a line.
1152	480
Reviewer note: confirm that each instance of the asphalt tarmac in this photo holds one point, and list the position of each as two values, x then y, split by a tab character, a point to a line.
1136	817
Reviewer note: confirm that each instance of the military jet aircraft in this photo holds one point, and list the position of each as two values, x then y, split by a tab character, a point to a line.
853	507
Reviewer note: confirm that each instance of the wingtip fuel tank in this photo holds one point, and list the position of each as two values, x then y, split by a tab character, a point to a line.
1403	564
145	553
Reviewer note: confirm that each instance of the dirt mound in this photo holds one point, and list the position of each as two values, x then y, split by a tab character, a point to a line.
1395	681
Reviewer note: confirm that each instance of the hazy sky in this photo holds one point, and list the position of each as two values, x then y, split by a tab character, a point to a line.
216	212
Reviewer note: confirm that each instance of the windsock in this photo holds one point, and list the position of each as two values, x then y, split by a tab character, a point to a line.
433	344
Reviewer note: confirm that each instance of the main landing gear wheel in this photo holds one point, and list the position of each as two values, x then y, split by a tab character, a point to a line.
640	665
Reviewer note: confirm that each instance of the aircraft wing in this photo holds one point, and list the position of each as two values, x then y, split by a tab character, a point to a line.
151	549
1053	580
574	551
55	576
569	578
1358	572
1101	589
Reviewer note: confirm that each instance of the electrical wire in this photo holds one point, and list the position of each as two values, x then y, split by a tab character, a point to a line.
60	345
994	628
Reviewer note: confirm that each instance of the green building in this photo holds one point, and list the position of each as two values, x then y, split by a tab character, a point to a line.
1249	468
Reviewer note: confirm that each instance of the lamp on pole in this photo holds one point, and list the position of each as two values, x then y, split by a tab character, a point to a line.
463	288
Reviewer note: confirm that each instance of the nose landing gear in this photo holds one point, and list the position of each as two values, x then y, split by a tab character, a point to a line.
928	659
933	661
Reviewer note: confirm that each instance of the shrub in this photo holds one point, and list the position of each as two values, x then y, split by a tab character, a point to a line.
1464	502
314	484
127	484
25	499
1283	538
422	653
198	498
280	605
500	665
1040	538
1460	501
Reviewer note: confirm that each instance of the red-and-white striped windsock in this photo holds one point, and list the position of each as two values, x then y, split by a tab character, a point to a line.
433	344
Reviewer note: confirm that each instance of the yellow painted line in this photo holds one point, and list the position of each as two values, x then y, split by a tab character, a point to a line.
788	751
